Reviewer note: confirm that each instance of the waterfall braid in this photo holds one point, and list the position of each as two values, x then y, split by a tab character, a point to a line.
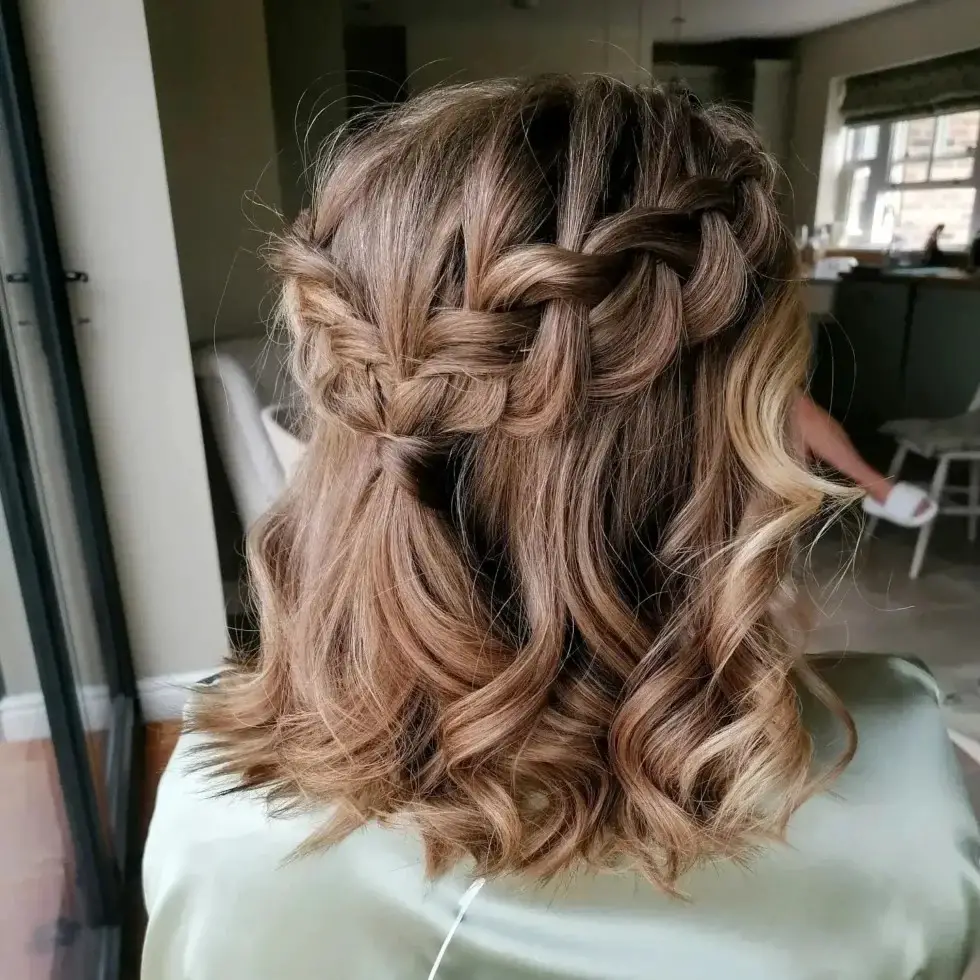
524	592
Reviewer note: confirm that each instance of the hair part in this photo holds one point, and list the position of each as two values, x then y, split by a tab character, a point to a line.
528	588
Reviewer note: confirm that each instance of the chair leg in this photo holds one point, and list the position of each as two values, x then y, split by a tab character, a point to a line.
898	460
973	500
935	493
894	469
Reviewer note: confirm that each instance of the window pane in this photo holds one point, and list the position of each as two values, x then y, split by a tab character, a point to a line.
913	138
909	173
900	133
856	195
917	212
861	143
883	222
954	168
868	142
956	134
922	152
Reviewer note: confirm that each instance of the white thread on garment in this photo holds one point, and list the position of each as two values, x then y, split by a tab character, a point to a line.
464	903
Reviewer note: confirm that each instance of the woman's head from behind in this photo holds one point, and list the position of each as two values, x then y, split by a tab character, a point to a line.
523	590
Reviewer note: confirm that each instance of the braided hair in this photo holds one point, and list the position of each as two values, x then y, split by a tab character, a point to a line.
527	589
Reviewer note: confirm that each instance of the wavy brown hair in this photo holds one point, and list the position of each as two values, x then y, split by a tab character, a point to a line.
525	591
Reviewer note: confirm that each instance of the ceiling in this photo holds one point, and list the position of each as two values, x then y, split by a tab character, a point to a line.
703	20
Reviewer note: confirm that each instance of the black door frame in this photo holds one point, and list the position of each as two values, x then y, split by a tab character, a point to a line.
25	524
107	863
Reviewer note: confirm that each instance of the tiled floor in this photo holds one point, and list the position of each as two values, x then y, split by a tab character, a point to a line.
867	603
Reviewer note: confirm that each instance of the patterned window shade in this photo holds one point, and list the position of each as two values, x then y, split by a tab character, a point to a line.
926	88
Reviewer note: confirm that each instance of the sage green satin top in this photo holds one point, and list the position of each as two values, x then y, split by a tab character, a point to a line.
878	881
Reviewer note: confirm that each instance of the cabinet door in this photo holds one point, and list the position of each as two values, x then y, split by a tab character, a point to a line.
858	371
944	352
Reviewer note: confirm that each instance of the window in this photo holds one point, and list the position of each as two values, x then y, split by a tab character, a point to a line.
899	180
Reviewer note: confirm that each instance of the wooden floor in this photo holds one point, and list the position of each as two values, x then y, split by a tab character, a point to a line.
36	857
161	737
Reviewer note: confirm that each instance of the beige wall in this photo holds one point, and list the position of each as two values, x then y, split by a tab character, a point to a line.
469	51
306	59
609	39
606	38
97	106
34	391
213	94
772	104
16	650
926	29
43	431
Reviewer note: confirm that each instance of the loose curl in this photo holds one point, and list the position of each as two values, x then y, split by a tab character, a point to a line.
527	591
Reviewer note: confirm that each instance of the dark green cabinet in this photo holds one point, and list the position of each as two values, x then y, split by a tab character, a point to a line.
897	349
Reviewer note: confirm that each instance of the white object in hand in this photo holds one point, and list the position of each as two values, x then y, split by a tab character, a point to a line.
903	506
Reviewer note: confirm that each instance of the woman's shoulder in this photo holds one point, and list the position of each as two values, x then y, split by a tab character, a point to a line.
904	757
862	679
887	697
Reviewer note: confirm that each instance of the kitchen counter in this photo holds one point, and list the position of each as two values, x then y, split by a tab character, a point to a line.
931	277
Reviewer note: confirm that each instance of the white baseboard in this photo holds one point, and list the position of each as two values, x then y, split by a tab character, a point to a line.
24	717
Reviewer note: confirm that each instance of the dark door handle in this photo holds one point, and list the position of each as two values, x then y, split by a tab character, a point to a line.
22	277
